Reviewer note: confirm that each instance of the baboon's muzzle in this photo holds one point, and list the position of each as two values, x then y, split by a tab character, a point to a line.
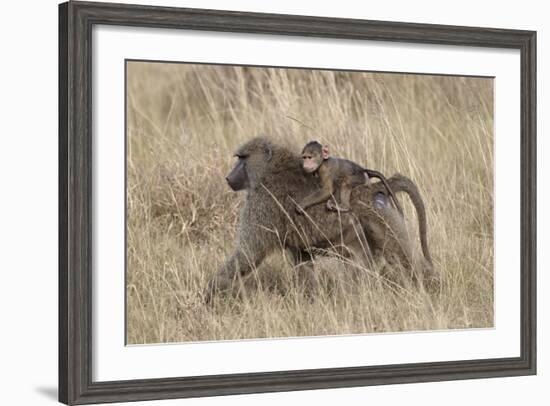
237	178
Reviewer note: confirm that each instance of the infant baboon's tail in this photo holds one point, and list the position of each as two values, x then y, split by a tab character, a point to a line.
375	174
400	183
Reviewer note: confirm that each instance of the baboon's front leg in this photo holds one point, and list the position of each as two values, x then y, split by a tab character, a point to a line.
317	197
239	264
305	274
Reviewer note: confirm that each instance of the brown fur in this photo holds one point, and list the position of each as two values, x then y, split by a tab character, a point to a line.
274	182
336	174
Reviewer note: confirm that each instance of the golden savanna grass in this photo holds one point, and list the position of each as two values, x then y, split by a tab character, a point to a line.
183	123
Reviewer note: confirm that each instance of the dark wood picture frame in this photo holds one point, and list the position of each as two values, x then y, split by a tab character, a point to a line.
76	20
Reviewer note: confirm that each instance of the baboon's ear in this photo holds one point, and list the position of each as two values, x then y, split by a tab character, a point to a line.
324	152
268	152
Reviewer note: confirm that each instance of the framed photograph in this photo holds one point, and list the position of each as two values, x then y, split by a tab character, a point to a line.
257	202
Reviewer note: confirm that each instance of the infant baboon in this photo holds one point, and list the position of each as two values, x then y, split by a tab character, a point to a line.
336	173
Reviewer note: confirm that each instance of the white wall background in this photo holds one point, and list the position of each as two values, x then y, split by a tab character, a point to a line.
28	201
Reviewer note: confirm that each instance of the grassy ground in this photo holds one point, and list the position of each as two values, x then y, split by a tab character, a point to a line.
184	122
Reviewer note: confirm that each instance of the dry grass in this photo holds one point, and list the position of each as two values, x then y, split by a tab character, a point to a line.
184	122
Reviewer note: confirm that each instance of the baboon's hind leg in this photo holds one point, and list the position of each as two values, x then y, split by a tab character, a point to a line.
387	234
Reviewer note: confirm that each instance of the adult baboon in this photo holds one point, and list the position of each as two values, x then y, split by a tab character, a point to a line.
274	182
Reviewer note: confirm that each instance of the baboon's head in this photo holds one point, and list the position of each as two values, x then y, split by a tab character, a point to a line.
313	156
253	160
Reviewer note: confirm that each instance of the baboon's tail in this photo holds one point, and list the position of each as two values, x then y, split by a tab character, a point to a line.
400	183
375	174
